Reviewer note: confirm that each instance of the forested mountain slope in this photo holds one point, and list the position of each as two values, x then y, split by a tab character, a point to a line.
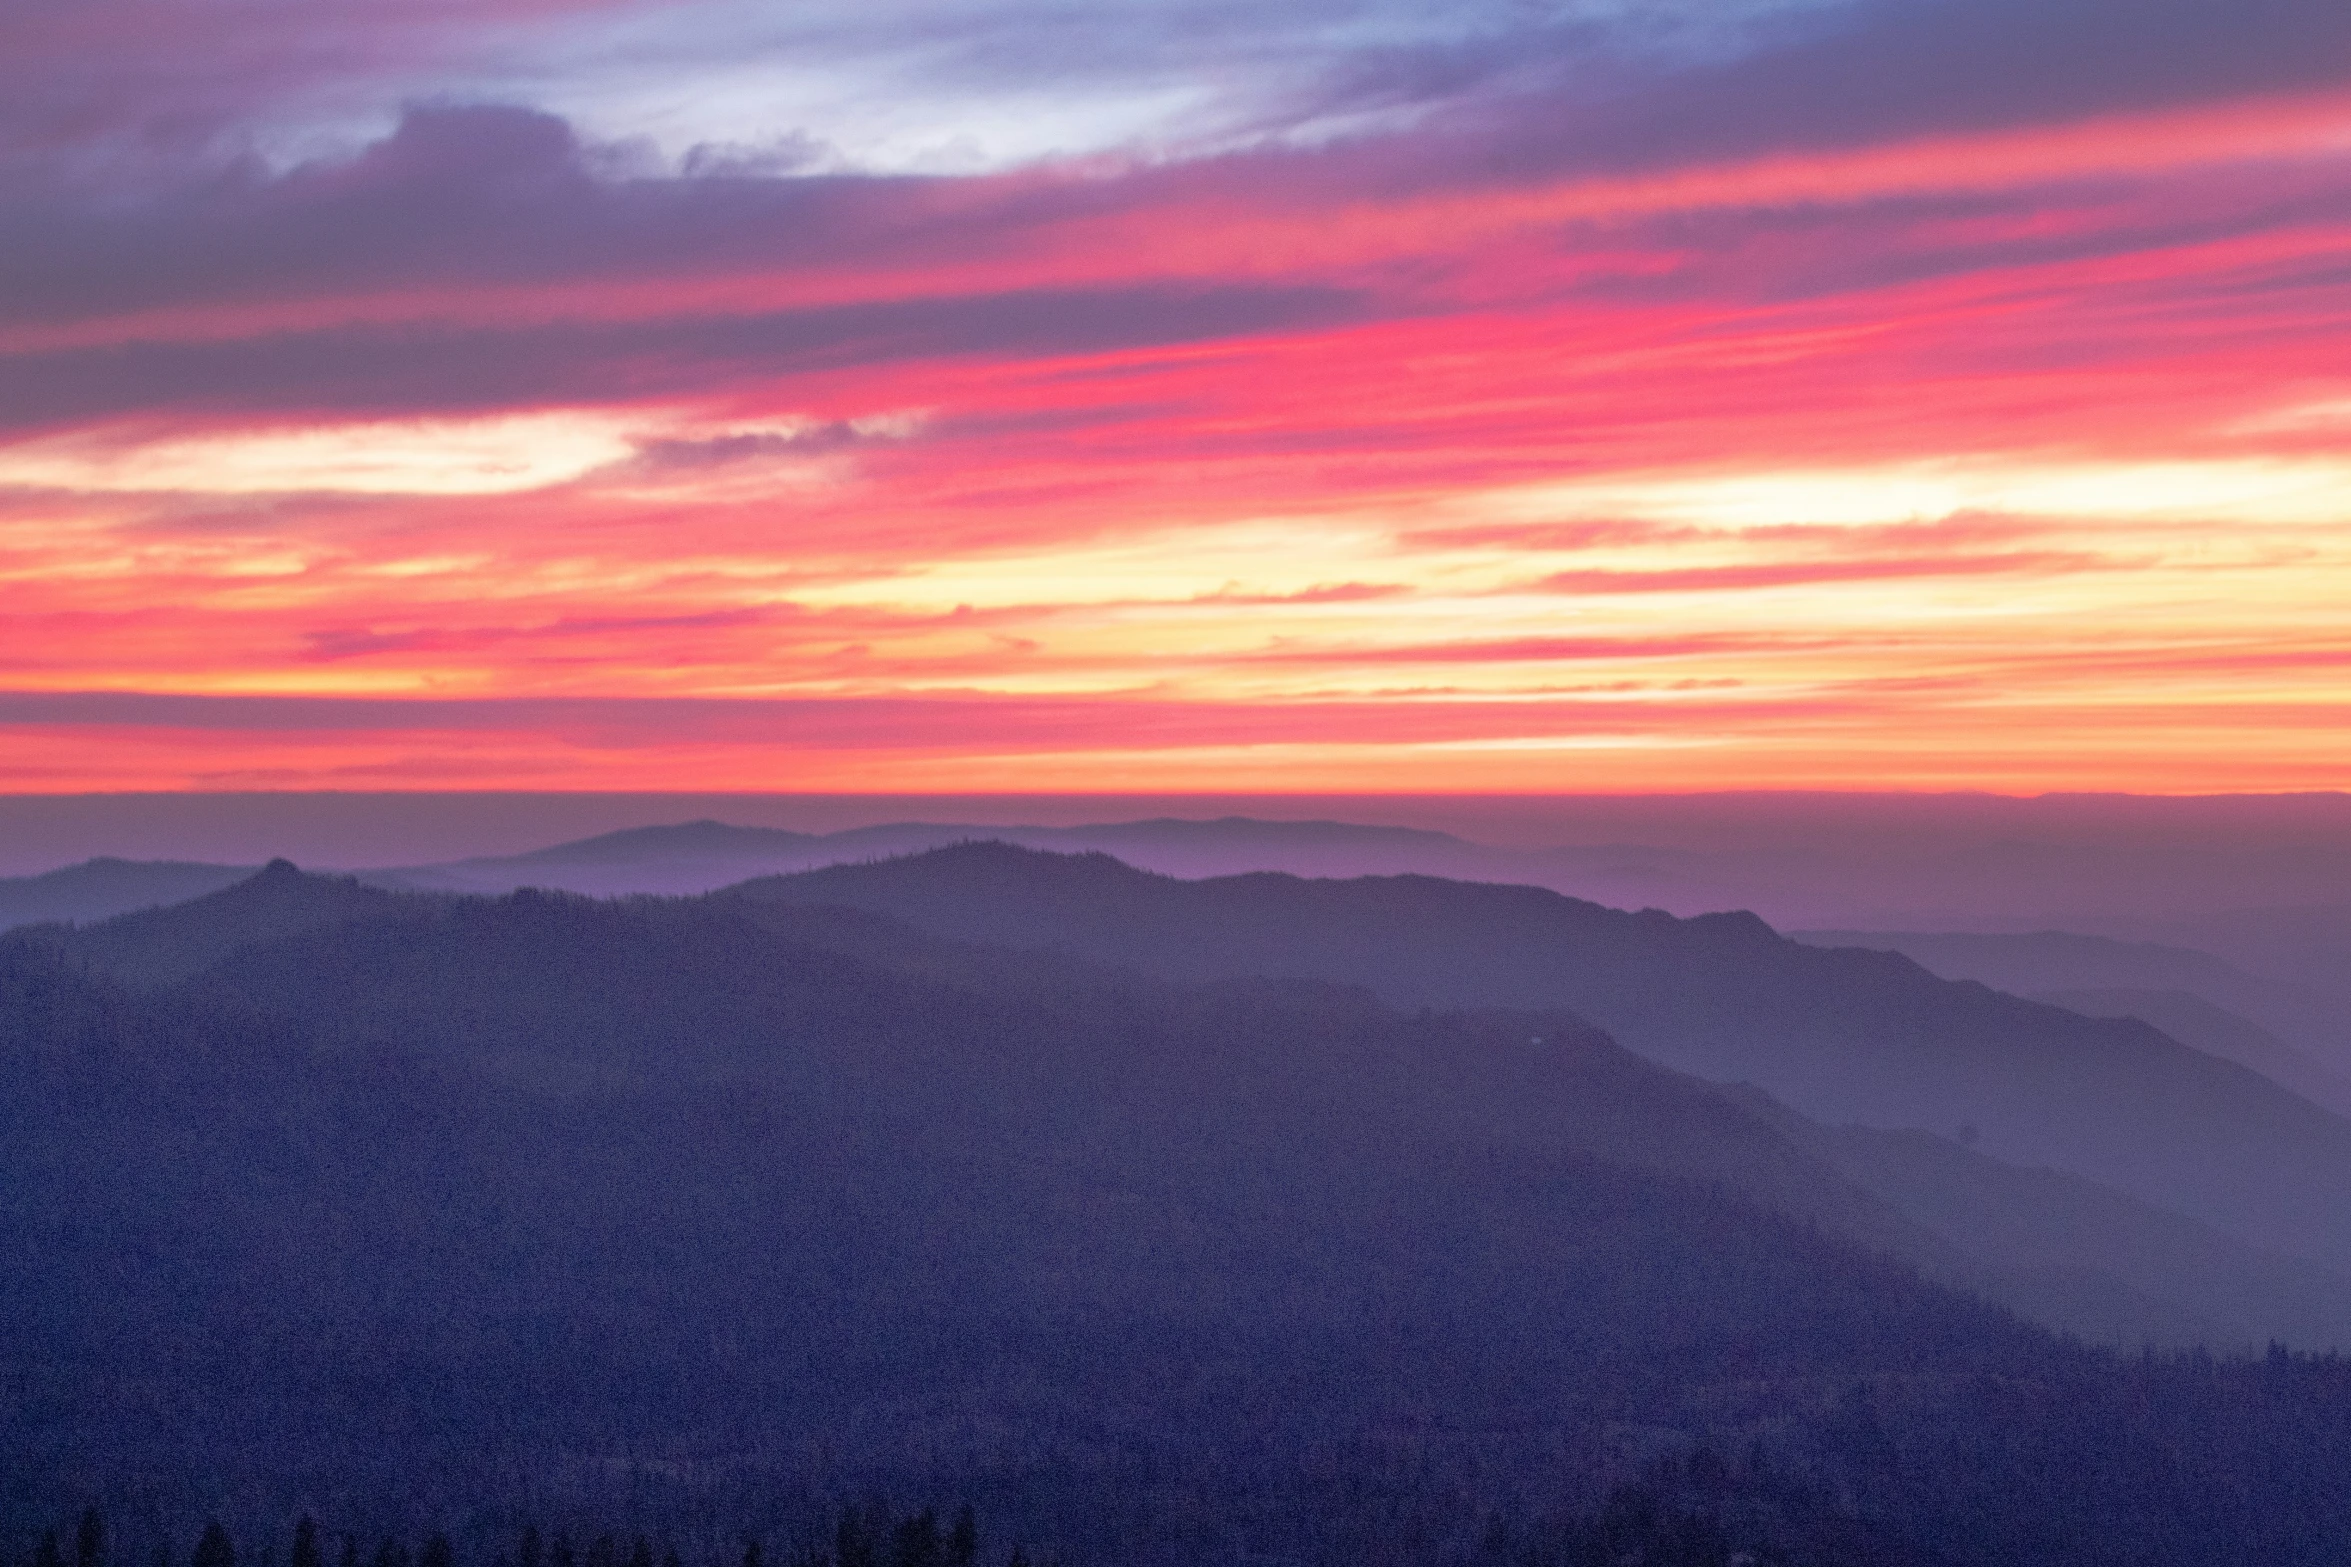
1839	1034
362	1195
156	946
2299	1037
2070	1254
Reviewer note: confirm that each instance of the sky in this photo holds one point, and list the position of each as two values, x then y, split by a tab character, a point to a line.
1341	396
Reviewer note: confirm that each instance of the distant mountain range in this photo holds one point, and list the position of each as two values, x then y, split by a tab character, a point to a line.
694	857
1802	884
700	856
2303	946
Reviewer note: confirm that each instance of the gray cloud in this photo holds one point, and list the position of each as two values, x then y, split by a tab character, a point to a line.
412	371
457	197
1896	68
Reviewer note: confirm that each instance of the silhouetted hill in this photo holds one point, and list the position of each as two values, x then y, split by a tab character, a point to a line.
2074	1254
2196	1022
1839	1034
157	946
100	889
700	840
687	857
2307	1032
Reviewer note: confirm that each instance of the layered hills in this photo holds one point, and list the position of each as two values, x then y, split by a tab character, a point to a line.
1843	1035
2282	1029
397	1190
1045	1176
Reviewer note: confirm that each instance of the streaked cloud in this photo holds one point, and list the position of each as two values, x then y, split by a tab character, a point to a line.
476	457
1174	395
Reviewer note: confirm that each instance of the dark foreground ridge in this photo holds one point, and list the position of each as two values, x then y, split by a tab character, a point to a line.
696	1218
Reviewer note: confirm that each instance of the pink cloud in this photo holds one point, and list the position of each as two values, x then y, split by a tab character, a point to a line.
1794	259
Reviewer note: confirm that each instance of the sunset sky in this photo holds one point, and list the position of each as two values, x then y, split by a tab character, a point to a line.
1164	395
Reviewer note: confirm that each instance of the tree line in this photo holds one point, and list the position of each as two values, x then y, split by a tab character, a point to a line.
859	1536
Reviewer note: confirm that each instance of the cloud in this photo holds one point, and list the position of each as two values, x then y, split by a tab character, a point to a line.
889	83
1537	650
1794	573
338	643
684	455
441	371
479	457
1321	593
857	724
1889	70
1843	351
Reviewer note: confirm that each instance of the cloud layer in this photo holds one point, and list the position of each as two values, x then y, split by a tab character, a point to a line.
1887	392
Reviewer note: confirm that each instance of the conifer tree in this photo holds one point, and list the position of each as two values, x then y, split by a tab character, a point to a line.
46	1554
214	1550
438	1552
89	1541
917	1542
306	1547
852	1547
963	1541
640	1552
530	1553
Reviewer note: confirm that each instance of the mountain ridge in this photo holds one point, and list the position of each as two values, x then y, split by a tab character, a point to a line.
1840	1034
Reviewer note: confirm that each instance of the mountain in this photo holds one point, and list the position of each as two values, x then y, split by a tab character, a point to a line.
2306	946
156	946
1841	1035
375	1196
453	1183
689	857
99	889
2071	1253
2104	1266
2195	1021
699	856
2308	1043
